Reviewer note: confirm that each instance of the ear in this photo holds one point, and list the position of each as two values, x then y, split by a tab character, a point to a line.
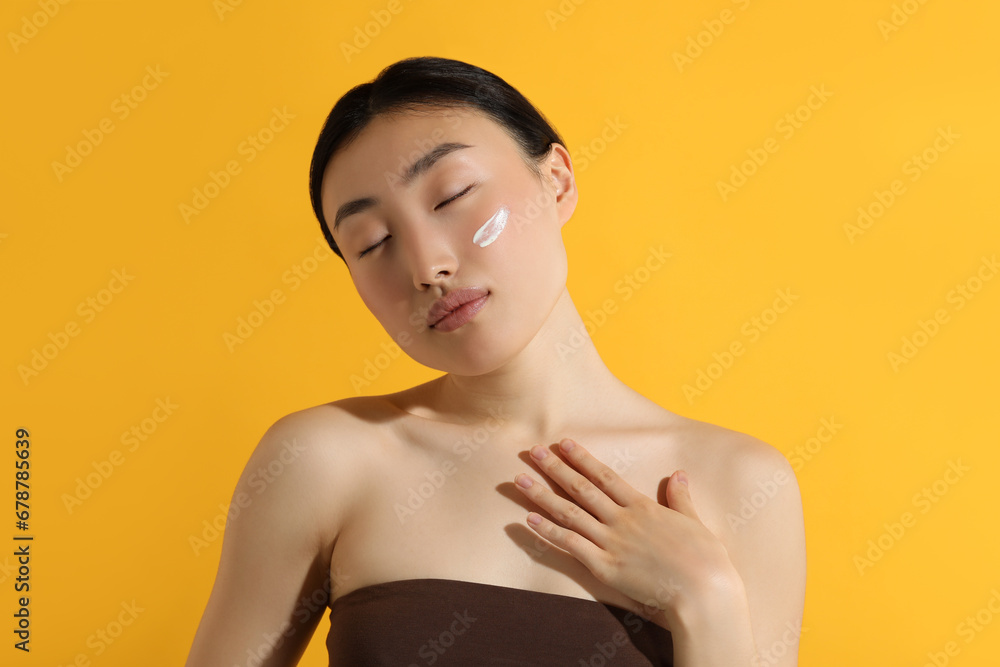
557	172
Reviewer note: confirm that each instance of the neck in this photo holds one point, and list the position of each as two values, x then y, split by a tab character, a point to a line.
558	379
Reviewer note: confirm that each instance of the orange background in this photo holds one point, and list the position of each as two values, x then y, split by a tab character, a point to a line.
652	135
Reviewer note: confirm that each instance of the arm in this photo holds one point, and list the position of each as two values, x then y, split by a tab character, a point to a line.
719	631
272	584
757	607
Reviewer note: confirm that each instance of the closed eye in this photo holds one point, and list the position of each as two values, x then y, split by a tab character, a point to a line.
450	199
442	204
371	247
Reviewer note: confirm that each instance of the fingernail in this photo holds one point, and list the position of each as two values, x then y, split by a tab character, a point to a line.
524	481
682	478
539	452
566	444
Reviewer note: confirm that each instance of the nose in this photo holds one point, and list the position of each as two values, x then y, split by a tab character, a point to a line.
430	257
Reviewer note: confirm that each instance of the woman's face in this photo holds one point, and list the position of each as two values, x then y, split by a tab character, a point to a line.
417	232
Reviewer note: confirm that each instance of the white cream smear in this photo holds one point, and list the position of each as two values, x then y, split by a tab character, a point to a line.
491	229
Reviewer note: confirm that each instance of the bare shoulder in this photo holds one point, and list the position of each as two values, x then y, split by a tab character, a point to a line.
351	414
299	483
747	479
340	428
730	462
756	511
323	452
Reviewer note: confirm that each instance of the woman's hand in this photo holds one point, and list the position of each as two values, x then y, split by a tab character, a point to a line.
663	557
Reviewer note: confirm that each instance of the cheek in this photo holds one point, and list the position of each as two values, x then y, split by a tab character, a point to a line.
504	227
526	255
377	299
524	228
391	306
492	228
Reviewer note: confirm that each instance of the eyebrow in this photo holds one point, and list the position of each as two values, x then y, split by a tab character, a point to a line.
419	167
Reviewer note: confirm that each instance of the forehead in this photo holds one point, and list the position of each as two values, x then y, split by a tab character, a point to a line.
388	145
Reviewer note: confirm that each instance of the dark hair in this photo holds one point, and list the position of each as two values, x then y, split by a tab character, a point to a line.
412	83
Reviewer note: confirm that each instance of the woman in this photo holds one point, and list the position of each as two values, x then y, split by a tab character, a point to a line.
413	514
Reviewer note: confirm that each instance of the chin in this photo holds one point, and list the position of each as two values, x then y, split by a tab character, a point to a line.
469	356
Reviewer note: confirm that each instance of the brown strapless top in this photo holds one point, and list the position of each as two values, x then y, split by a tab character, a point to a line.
443	622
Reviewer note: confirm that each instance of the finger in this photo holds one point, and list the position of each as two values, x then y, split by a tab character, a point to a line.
564	513
601	475
585	551
581	489
679	495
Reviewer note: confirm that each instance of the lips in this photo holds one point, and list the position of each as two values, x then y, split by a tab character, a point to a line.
452	301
